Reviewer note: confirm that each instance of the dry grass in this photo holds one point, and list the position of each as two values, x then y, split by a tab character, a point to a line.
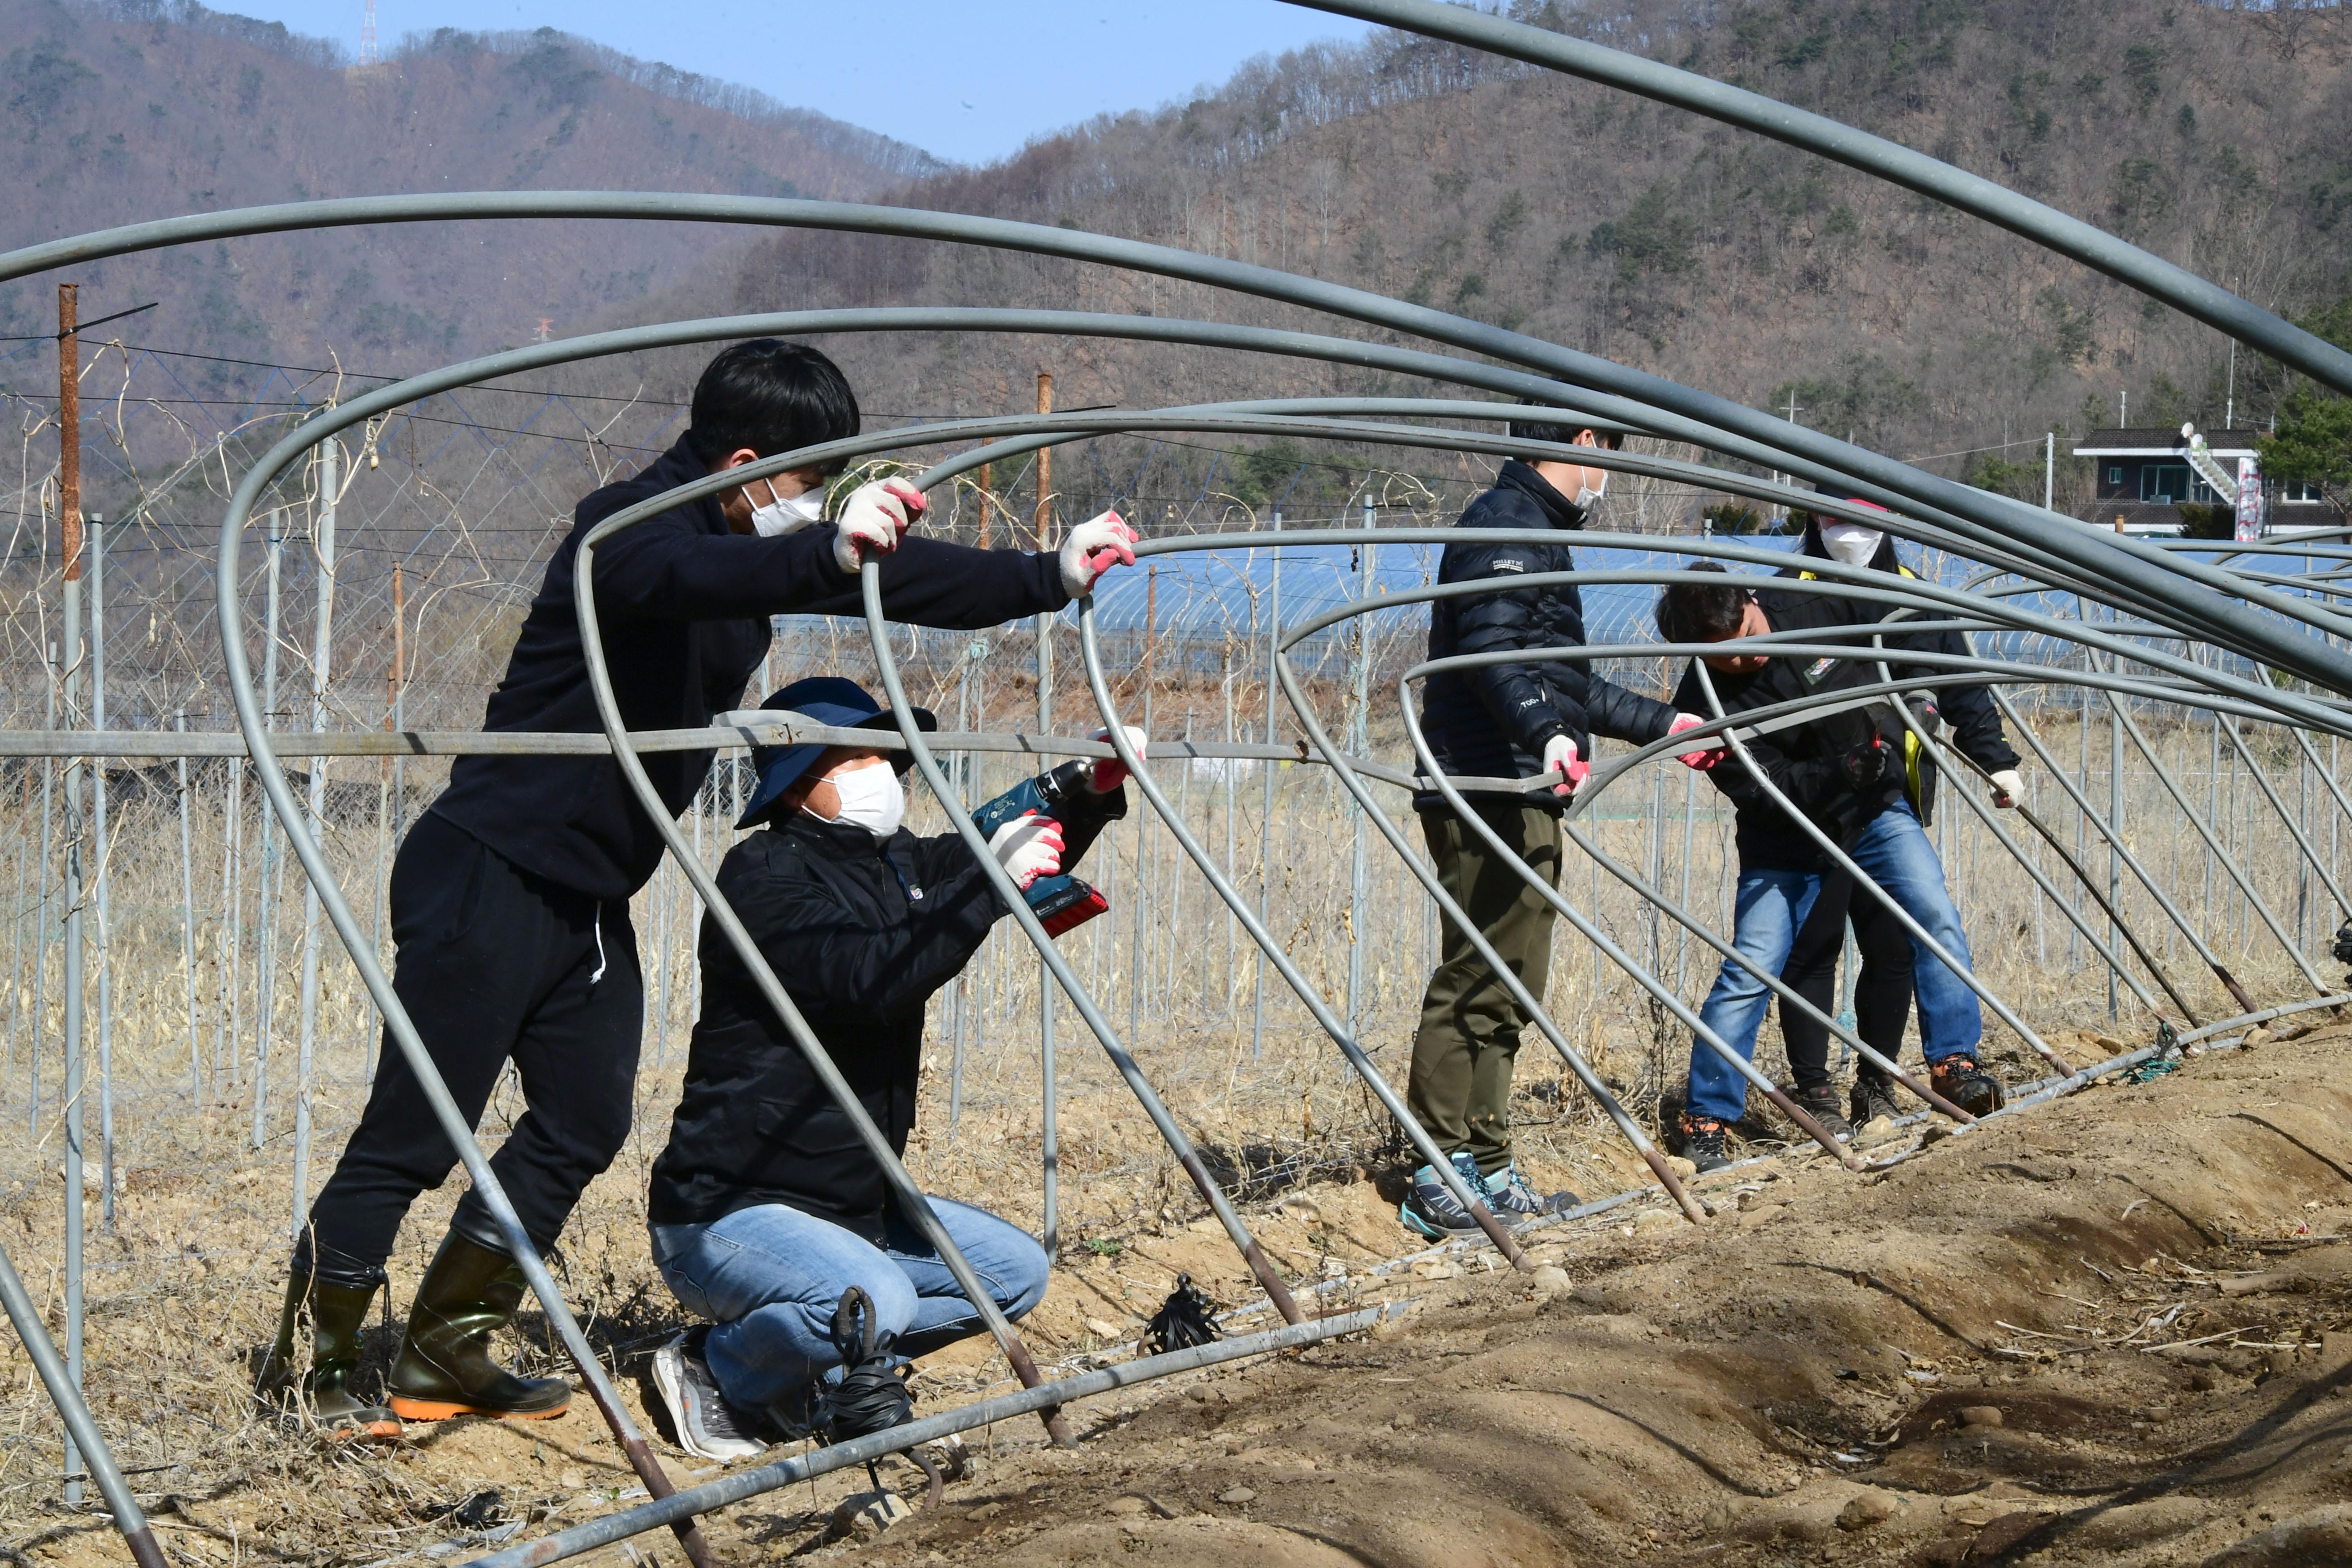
184	1286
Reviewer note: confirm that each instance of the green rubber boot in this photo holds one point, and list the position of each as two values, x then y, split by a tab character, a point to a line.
335	1315
444	1367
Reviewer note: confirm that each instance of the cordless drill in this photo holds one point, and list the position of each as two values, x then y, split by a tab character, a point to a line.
1061	903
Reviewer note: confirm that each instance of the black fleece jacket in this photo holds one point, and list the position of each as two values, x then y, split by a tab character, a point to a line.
861	934
1804	760
1493	720
685	604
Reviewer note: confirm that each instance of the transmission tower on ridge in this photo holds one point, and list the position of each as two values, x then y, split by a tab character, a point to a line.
367	34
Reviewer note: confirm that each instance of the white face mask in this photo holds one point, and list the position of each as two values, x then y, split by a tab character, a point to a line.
1587	494
1850	543
871	798
784	516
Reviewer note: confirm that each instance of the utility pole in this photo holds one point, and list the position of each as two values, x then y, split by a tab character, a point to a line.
2048	471
1048	1133
70	662
1791	411
985	493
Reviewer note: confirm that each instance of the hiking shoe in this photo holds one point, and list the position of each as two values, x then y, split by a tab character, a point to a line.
1510	1196
1703	1142
1960	1080
1429	1210
1821	1103
707	1426
1874	1096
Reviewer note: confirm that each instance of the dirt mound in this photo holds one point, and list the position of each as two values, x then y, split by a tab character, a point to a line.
2115	1329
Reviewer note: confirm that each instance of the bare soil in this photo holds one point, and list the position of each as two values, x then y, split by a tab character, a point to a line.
2146	1283
1987	1353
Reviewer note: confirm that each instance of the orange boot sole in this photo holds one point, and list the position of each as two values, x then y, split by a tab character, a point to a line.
442	1410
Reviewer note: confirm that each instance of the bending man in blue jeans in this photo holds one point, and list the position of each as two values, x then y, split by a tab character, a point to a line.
768	1216
1853	774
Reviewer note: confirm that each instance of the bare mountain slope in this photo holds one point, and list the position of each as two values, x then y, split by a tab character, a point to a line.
115	113
2217	138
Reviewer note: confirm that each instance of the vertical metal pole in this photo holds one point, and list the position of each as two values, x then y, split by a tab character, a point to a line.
69	521
264	952
188	917
1360	740
2115	821
2050	469
94	552
1232	767
17	921
321	661
41	907
1048	1130
231	1001
1137	959
1266	822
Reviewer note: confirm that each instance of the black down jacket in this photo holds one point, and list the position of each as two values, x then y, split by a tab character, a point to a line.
1803	761
1491	721
862	934
684	604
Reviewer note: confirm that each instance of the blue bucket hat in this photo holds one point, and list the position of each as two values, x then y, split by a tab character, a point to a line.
828	700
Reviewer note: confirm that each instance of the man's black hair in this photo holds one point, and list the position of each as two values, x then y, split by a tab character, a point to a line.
1531	430
1701	612
772	396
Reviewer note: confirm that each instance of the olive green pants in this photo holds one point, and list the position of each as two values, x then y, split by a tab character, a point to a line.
1470	1023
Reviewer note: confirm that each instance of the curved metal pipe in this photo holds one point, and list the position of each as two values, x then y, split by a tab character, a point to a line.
1630	396
1415	1134
1268	1277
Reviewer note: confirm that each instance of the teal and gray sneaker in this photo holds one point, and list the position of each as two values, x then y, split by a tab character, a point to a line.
1430	1209
1510	1196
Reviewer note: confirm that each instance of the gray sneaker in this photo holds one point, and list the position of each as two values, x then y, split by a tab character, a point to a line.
1510	1196
1430	1209
707	1426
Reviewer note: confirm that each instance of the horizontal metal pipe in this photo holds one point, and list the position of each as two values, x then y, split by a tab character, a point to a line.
751	1483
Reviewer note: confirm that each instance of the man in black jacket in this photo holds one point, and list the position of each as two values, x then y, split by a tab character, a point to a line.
511	897
1882	992
1513	719
1854	776
766	1211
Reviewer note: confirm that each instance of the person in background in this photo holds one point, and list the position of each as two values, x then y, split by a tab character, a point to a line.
1843	770
1513	719
1882	992
768	1216
510	898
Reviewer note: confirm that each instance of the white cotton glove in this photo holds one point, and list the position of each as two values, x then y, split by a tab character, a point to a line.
1028	847
2008	789
1110	773
876	515
1559	757
1707	755
1091	550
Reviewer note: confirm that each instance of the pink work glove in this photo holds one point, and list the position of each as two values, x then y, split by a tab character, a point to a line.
1110	773
871	523
1028	847
1706	756
1559	757
1093	548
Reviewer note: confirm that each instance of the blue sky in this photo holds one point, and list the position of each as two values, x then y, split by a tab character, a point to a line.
966	81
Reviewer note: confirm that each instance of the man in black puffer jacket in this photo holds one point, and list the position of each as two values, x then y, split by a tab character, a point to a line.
1504	720
766	1209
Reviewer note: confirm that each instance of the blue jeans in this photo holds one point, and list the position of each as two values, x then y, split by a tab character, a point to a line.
770	1277
1770	907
